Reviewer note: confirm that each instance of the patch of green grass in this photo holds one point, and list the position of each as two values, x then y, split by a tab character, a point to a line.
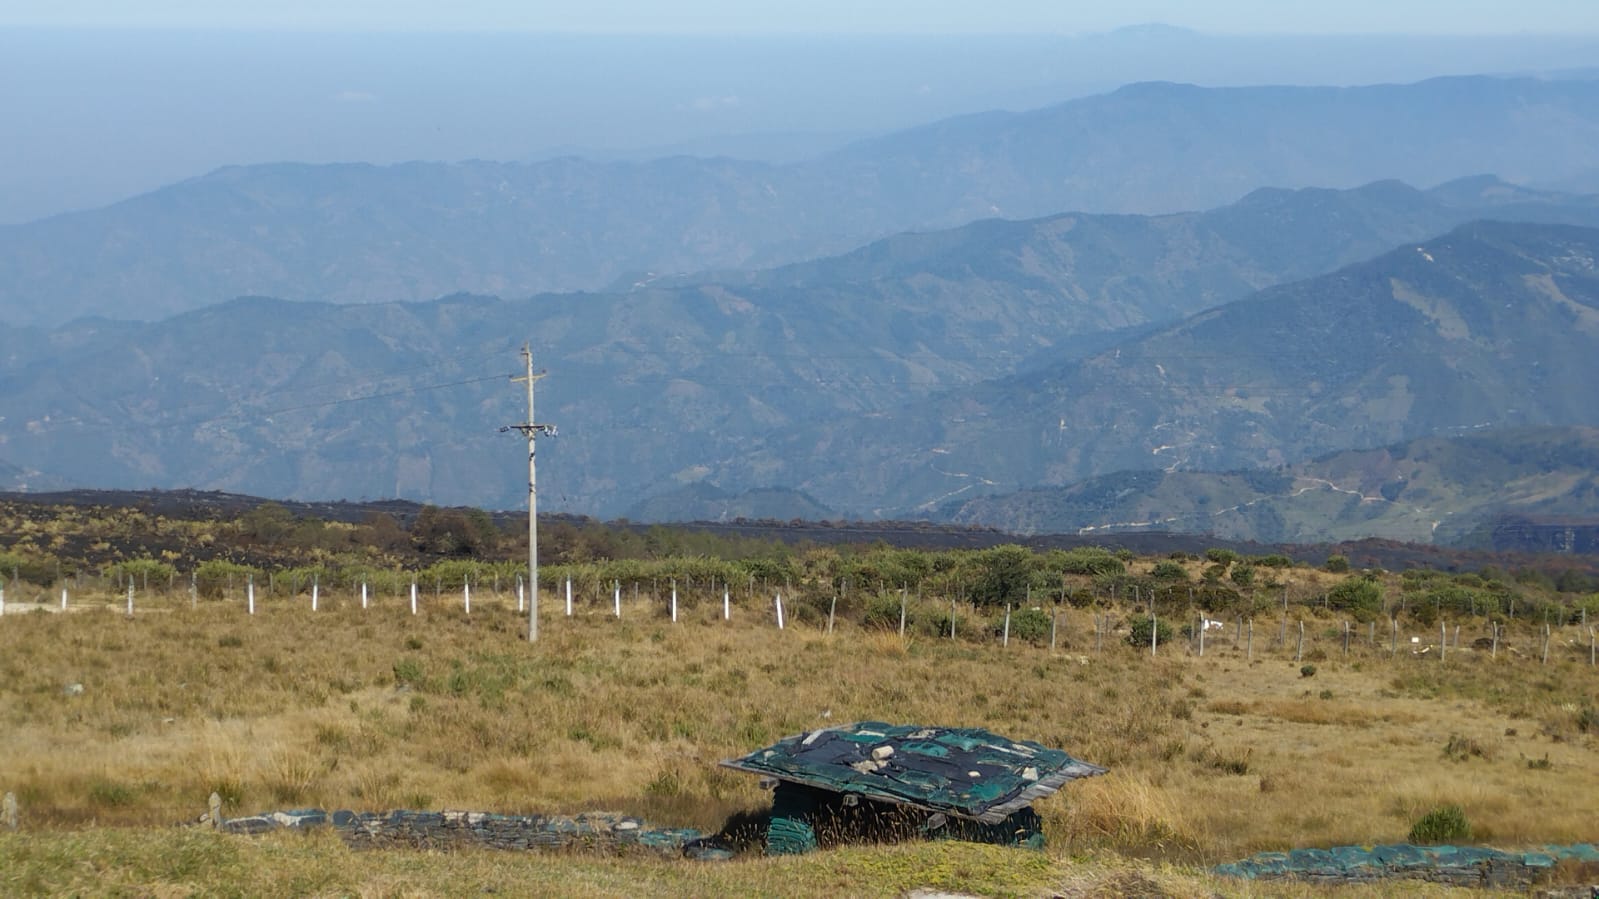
1445	824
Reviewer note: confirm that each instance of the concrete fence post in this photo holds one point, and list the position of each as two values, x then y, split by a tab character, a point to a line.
216	811
8	811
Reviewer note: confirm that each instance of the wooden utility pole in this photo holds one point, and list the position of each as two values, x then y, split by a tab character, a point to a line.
531	429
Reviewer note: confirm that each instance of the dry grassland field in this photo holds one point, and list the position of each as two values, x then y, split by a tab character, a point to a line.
1211	757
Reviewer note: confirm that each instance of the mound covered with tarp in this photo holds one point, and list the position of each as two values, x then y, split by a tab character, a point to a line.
874	773
1469	866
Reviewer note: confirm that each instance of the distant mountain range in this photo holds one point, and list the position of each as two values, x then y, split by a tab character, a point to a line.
920	371
360	233
1491	325
1444	489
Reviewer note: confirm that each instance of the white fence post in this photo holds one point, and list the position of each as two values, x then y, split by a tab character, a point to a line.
363	594
779	611
63	599
2	597
130	597
727	604
413	596
466	596
316	591
616	597
249	593
1004	639
569	597
521	594
674	602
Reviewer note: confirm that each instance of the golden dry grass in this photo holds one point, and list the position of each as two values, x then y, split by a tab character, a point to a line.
1212	758
188	863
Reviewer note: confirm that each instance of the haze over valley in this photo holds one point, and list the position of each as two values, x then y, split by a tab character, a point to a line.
762	302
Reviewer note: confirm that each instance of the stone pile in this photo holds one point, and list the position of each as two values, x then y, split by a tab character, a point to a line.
448	830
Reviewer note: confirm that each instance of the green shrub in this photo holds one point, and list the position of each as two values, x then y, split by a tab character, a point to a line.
213	576
1221	556
1169	571
1360	596
1307	671
882	611
1091	560
1139	627
1337	564
938	624
1243	575
1031	625
408	673
1446	823
1003	575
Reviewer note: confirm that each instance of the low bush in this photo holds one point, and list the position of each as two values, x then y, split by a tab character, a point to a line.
1169	571
1139	627
1446	823
1031	625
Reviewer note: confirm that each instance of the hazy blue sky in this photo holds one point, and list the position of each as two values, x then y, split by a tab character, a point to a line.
112	111
654	16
